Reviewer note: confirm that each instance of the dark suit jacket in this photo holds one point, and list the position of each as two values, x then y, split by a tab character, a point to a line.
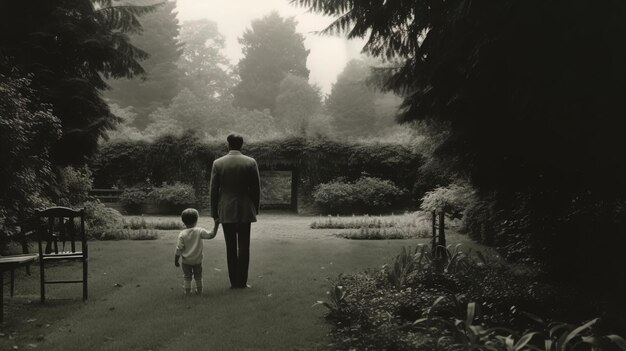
235	188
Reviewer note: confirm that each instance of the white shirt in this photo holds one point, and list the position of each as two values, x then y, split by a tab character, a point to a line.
189	245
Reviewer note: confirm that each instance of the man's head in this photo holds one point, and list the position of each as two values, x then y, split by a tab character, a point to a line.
190	217
235	141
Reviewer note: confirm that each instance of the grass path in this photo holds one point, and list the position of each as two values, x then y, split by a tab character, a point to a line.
290	264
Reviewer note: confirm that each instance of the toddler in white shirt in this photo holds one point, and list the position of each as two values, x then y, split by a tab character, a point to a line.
189	247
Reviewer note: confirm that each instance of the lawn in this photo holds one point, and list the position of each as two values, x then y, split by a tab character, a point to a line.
136	300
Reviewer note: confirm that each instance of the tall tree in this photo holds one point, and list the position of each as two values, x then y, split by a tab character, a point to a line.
351	101
28	129
272	48
69	48
161	81
296	103
207	72
533	104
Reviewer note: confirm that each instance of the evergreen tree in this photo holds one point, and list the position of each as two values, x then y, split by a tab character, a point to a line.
161	81
351	101
207	72
296	102
530	95
272	48
69	48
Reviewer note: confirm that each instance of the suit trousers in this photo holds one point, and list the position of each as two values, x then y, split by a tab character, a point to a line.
237	237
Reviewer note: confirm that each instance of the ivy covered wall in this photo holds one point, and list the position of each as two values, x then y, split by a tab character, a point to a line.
319	160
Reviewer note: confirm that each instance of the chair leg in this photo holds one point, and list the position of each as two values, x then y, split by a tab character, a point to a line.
12	282
42	280
85	279
1	297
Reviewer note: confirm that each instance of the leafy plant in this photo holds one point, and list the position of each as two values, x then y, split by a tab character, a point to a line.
365	195
459	319
135	223
74	186
451	199
173	198
124	234
336	300
134	198
100	218
366	233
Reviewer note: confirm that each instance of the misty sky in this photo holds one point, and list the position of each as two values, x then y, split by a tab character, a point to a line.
328	55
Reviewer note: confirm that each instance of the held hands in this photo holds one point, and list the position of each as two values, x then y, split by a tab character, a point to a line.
216	225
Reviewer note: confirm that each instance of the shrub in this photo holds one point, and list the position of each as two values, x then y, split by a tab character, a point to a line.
452	199
125	234
133	199
354	222
137	223
74	186
166	225
98	217
174	197
365	195
404	232
377	309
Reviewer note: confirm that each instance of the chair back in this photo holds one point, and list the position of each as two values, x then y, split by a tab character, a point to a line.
62	231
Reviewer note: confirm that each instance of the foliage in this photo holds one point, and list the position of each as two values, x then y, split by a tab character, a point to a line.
161	123
70	48
271	49
466	335
177	195
452	199
186	159
255	125
207	72
276	188
478	304
134	198
192	111
74	186
351	101
297	101
158	38
136	223
480	221
354	222
210	118
365	195
105	223
99	218
126	129
544	155
399	232
125	234
28	130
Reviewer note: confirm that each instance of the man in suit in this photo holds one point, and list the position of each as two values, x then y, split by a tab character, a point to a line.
235	200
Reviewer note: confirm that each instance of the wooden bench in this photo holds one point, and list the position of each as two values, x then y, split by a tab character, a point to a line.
10	264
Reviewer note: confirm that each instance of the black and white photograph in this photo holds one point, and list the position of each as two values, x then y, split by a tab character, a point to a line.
424	175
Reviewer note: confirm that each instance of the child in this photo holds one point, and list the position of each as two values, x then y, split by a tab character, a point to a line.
189	247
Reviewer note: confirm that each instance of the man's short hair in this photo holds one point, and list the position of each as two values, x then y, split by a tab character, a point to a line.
235	141
190	216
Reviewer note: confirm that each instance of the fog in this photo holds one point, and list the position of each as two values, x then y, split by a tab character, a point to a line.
328	55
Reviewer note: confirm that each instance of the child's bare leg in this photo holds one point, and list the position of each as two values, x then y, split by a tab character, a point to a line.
187	274
197	275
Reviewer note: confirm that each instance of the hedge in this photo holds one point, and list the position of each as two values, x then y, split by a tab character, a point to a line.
186	159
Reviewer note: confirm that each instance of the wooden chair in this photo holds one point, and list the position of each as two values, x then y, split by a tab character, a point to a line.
12	262
59	227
